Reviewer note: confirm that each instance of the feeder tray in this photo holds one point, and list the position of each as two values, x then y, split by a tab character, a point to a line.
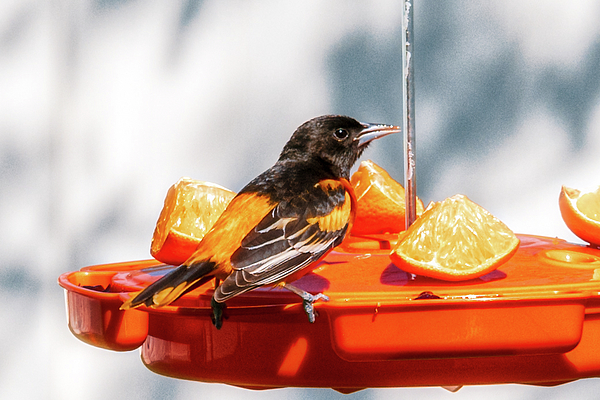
535	320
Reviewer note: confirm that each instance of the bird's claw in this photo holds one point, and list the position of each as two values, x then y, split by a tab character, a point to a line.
308	301
217	313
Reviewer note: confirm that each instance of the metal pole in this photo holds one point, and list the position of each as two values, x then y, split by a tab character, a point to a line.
408	115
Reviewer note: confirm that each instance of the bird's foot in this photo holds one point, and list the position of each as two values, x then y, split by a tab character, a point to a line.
307	300
308	305
218	310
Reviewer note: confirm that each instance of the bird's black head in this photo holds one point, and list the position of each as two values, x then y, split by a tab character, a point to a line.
335	140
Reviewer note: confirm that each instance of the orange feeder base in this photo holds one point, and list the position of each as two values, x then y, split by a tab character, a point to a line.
535	320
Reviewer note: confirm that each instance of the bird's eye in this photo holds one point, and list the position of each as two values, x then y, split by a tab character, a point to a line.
340	134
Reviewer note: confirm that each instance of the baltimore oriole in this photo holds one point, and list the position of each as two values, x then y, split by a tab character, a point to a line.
281	223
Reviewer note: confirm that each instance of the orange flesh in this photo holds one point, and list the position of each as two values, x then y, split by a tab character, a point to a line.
380	201
581	213
589	205
454	240
191	208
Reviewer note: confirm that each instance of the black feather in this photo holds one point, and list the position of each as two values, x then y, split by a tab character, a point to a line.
193	274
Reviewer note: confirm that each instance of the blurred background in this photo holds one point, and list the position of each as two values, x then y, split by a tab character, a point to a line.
105	103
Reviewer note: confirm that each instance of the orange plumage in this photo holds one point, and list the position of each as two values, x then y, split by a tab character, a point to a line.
281	223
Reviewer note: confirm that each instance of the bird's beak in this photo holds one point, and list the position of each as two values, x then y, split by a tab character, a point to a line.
374	131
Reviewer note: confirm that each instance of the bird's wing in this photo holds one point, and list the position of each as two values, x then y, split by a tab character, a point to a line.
291	237
211	258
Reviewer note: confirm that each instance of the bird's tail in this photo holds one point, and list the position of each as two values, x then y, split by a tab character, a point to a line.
171	286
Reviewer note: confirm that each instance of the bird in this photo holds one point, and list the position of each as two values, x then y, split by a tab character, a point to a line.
281	223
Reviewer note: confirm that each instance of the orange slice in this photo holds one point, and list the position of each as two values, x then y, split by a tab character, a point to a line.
191	208
581	213
380	201
454	240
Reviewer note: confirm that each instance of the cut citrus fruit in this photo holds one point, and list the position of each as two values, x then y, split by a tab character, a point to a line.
454	240
191	208
581	213
380	201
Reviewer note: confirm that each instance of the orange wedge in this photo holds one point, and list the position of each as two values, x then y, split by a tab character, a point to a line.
191	208
454	240
581	213
380	201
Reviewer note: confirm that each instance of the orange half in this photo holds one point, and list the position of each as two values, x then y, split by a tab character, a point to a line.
191	208
380	201
581	213
454	240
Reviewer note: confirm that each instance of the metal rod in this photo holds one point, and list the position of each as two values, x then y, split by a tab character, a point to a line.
408	114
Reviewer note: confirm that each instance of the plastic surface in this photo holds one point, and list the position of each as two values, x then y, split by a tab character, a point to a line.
535	320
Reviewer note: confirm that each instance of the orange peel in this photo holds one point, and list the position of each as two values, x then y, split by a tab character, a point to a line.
581	213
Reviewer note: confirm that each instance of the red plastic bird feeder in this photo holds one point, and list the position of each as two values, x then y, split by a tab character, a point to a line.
535	320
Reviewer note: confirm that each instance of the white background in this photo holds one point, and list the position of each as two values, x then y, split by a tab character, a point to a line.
104	104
